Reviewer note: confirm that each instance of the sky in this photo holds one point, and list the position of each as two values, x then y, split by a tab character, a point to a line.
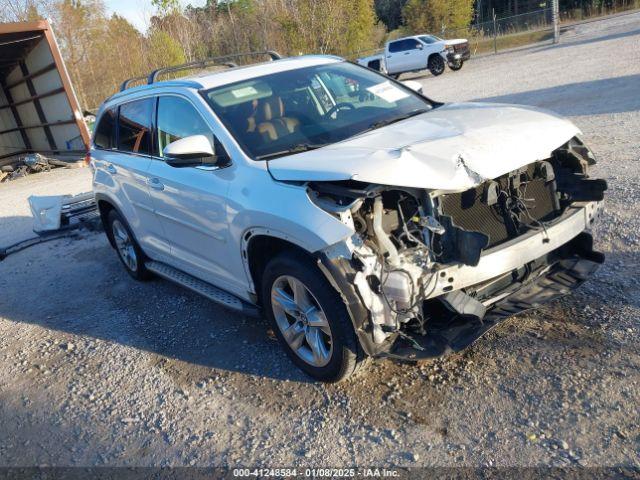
139	11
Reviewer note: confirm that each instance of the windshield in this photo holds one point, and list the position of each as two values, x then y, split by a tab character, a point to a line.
289	112
429	39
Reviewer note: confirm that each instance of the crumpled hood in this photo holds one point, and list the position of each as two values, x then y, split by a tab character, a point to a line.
453	147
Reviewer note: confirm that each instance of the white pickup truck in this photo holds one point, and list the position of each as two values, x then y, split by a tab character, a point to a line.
419	52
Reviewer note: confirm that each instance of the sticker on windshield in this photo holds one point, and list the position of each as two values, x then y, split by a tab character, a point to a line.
244	92
388	92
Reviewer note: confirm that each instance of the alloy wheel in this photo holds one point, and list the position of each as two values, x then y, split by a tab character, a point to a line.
301	321
124	245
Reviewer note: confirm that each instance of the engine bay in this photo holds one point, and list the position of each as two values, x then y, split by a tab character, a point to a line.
411	247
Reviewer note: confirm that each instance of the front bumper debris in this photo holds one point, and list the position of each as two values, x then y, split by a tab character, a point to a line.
453	57
560	278
519	251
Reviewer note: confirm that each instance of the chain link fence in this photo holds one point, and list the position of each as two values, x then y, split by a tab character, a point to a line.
506	32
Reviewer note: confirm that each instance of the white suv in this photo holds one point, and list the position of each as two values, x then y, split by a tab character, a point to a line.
363	219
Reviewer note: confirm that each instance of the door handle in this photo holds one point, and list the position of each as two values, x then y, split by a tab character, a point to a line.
111	169
407	53
155	184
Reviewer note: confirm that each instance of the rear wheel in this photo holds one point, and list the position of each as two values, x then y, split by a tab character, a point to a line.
310	319
435	65
128	249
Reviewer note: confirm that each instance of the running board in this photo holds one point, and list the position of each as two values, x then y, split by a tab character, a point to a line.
205	289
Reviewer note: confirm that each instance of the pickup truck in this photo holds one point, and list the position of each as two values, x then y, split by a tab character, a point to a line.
419	52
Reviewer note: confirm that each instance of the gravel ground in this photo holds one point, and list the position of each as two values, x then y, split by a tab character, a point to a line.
96	369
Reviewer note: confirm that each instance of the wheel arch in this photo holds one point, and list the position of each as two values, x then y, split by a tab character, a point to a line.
259	245
105	205
435	54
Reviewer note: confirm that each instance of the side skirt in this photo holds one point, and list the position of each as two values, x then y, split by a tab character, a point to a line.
205	289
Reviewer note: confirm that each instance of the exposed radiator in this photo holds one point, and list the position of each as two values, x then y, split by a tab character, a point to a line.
513	212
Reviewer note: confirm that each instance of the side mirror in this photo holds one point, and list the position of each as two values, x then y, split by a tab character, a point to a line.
413	85
190	151
420	46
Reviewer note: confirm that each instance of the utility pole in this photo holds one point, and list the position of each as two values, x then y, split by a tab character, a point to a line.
495	31
555	11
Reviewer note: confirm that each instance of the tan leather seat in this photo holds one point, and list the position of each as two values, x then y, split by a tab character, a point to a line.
271	121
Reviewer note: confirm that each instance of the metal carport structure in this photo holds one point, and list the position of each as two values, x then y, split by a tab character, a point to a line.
39	111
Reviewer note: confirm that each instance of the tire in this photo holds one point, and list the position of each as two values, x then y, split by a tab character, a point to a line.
337	354
125	244
456	65
435	64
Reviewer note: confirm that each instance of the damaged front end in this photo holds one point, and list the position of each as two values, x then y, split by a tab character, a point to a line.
427	272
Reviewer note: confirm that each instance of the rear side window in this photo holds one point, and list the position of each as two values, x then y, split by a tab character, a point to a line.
403	45
105	136
135	126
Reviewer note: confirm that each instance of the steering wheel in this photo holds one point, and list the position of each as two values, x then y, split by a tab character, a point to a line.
339	106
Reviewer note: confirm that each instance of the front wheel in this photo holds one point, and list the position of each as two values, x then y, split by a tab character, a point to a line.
435	65
456	65
310	319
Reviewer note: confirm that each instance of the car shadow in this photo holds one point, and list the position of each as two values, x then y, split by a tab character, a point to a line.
581	98
80	287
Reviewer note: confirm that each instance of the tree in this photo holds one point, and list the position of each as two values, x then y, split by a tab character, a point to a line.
390	12
164	50
359	26
24	10
166	7
436	16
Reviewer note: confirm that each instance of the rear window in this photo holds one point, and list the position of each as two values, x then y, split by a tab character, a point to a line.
105	136
135	126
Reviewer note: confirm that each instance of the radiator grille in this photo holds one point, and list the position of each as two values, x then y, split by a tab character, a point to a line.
500	222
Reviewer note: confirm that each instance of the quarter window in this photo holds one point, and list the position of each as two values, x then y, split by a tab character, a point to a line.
105	136
135	126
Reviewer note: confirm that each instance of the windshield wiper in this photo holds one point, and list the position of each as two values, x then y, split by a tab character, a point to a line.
384	123
299	148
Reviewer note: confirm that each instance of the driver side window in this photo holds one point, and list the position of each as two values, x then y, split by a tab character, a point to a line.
178	119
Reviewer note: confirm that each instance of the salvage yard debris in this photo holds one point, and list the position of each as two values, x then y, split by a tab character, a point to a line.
62	212
57	216
28	164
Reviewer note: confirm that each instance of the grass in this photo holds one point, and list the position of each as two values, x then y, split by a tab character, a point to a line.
504	42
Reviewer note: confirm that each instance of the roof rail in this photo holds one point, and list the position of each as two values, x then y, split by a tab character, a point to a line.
153	76
129	81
